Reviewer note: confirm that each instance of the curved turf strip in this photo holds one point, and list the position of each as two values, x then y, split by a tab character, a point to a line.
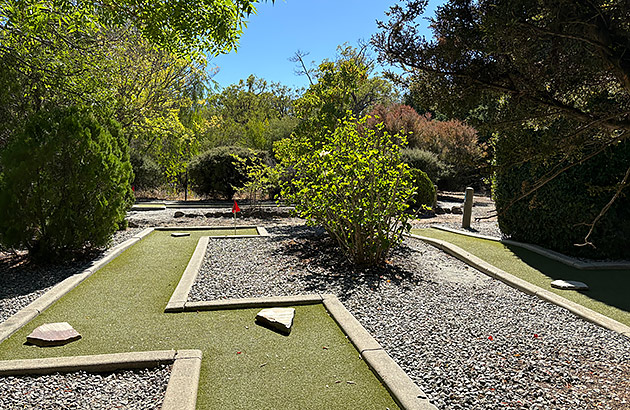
244	366
608	288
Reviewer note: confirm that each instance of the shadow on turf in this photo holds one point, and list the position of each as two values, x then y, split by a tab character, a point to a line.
607	286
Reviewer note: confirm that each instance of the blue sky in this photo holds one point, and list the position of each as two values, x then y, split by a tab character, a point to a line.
278	30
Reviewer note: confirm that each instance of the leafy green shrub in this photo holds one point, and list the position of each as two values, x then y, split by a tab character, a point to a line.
357	187
65	185
425	190
218	171
555	216
147	173
426	161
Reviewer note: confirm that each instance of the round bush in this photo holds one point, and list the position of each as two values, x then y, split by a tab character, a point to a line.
425	190
555	216
426	161
65	186
218	173
147	173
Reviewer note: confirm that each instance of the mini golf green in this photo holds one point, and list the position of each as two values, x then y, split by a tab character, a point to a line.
608	293
244	366
148	207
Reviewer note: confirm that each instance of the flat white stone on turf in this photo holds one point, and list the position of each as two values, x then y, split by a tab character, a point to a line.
280	319
53	334
179	234
569	285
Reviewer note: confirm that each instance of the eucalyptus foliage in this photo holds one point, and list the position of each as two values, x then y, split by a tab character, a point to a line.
357	187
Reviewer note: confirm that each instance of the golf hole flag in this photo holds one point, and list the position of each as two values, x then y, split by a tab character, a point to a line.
235	209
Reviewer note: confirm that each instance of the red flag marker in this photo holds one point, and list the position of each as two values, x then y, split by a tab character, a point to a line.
235	208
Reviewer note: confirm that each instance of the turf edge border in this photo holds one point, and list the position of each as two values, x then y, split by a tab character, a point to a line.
527	287
19	319
567	260
404	391
181	391
262	232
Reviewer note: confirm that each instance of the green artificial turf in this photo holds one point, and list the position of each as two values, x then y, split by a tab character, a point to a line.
149	206
244	366
608	293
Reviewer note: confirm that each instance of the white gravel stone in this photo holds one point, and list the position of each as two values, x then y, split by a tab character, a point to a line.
130	389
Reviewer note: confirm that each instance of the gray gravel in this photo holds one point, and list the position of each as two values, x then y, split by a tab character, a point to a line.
482	228
469	341
209	217
130	389
21	281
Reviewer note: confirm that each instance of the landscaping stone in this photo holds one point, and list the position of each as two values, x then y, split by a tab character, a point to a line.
457	210
179	234
178	214
569	285
280	319
53	334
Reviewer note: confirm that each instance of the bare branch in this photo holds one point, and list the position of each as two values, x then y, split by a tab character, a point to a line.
605	209
298	57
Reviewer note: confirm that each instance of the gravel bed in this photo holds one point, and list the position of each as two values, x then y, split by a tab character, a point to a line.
482	228
207	217
469	341
129	389
21	281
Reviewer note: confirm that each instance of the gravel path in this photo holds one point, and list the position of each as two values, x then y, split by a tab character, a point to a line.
130	389
469	341
21	281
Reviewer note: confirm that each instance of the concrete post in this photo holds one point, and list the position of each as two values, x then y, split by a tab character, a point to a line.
468	204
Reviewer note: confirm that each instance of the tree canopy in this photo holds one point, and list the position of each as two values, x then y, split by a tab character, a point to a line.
543	58
253	113
558	70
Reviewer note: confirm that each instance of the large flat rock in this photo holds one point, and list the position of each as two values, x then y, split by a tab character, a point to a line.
180	234
280	319
569	285
53	334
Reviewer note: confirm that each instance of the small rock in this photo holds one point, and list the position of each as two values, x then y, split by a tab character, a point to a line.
178	214
179	234
192	216
569	285
53	334
280	319
457	210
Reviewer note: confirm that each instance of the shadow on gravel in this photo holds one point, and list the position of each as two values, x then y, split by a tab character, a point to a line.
321	263
20	276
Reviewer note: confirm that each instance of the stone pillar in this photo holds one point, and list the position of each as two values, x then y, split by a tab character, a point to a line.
468	204
434	197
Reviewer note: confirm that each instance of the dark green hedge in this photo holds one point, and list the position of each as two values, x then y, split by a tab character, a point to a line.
216	173
555	215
